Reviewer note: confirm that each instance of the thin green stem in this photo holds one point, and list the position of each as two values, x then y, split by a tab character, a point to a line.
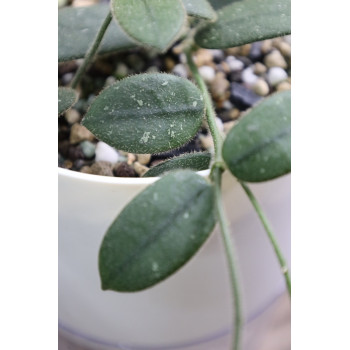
90	54
218	141
271	236
216	175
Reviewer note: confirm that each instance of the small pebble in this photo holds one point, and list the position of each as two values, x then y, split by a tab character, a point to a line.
124	170
266	46
276	75
245	49
207	73
180	70
72	116
275	59
248	77
219	87
82	3
259	68
105	153
218	55
287	39
131	158
207	142
75	153
152	69
228	126
285	49
135	61
140	169
88	149
243	97
285	85
169	64
144	159
67	78
62	3
234	63
261	87
234	51
80	133
182	58
227	105
102	168
86	169
219	124
255	53
121	70
224	66
110	81
203	57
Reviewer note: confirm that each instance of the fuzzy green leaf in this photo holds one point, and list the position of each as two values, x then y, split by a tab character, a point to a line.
156	23
77	28
147	113
157	232
194	161
200	8
258	147
66	99
243	22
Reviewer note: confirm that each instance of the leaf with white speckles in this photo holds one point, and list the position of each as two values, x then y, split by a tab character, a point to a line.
243	22
194	161
77	28
66	99
156	23
157	232
147	113
258	147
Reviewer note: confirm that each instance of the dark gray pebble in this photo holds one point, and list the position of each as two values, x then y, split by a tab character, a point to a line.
255	53
242	97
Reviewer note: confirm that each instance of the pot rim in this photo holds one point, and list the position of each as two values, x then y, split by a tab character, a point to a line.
114	180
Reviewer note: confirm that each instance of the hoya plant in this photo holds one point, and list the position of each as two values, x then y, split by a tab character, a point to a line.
157	112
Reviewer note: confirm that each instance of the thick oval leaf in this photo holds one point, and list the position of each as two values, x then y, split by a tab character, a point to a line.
146	113
66	99
77	28
194	161
157	232
258	147
200	8
246	21
156	23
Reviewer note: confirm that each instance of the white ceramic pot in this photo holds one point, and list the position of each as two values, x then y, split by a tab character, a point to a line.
192	308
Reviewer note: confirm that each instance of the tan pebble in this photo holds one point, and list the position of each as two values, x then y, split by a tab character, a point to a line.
261	87
207	142
83	3
140	169
72	116
275	59
203	57
169	64
259	68
68	164
225	67
285	85
285	49
131	158
276	41
233	51
102	168
235	113
86	169
123	153
143	159
219	87
79	133
266	46
245	49
228	126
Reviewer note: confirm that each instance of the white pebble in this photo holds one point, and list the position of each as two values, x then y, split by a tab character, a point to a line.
234	63
106	153
207	73
219	124
276	75
180	70
249	78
